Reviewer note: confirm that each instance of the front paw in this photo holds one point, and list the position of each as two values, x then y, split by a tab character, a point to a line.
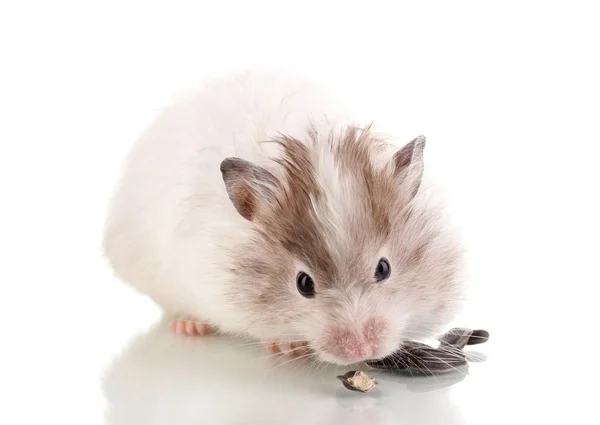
292	349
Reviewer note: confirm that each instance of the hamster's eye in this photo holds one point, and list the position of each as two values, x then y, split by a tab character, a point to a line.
305	285
383	270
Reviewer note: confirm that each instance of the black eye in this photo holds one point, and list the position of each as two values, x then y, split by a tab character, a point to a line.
383	270
305	285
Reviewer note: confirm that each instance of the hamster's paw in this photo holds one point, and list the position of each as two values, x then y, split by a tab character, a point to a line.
191	327
293	349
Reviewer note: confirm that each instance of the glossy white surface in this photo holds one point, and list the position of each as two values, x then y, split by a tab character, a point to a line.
507	95
161	379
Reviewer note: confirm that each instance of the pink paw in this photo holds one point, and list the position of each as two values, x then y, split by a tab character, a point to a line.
294	349
190	327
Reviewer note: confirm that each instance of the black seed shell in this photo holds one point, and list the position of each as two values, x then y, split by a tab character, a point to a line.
479	337
415	357
457	337
422	359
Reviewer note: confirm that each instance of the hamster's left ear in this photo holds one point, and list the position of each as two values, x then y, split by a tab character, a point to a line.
408	166
251	188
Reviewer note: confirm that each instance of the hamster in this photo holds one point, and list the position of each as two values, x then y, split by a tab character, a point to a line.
256	206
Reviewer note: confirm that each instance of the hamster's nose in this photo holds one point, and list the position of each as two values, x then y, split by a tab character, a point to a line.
356	352
350	345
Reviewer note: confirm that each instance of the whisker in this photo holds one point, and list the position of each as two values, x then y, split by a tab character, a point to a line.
293	359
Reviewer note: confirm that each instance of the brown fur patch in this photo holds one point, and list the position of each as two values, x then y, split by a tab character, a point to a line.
378	189
292	223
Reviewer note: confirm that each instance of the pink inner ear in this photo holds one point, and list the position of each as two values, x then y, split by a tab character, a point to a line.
244	201
236	174
245	182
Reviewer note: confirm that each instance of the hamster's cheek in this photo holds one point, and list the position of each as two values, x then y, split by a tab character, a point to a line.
309	330
388	346
424	324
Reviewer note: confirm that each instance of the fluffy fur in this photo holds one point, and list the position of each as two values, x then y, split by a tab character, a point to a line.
236	188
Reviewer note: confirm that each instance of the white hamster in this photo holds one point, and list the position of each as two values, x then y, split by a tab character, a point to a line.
255	206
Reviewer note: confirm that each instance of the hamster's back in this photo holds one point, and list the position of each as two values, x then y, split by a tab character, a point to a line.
171	222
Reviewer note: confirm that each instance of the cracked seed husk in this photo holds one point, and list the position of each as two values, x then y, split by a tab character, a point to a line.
357	380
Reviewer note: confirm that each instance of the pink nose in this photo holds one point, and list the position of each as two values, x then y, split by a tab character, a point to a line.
356	345
355	351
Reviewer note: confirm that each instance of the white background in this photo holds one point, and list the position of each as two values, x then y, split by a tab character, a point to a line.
508	95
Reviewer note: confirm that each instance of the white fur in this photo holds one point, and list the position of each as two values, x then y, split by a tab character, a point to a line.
171	220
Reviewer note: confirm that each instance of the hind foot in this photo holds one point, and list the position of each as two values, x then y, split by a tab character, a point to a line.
191	327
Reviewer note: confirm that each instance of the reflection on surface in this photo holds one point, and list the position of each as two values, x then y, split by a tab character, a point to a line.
163	378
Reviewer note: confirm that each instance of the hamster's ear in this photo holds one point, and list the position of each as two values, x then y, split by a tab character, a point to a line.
408	166
248	186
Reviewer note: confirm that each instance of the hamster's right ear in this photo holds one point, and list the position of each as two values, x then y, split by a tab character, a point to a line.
408	166
249	187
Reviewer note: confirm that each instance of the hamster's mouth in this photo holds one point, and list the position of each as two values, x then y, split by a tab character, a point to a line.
341	361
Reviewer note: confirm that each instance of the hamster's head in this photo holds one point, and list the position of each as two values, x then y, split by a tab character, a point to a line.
348	254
